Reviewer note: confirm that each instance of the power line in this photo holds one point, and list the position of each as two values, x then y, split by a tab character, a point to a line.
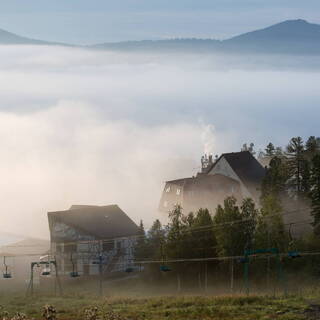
188	230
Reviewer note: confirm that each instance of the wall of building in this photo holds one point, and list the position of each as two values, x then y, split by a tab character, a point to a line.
117	255
222	167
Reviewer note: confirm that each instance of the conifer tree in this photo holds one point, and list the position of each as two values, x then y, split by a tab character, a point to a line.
295	150
156	240
270	150
274	182
315	193
228	234
249	215
141	248
270	232
202	235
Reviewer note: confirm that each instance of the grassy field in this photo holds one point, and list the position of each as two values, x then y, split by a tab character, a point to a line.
173	307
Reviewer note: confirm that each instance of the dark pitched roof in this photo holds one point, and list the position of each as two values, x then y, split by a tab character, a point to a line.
200	179
247	167
179	182
100	221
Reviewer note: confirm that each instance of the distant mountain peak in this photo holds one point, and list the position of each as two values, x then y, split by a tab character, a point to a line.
296	21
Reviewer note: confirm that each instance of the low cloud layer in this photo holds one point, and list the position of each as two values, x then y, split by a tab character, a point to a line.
86	127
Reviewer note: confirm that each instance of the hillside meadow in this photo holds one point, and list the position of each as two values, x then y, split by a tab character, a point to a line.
170	307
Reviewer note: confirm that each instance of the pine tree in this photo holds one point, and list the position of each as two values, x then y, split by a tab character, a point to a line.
274	182
202	235
141	247
230	241
312	145
270	150
156	240
249	215
176	233
295	150
315	193
270	231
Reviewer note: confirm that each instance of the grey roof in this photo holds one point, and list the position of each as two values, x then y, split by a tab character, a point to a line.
179	182
247	168
100	221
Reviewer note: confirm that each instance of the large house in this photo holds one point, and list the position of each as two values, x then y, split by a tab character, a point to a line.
237	174
85	237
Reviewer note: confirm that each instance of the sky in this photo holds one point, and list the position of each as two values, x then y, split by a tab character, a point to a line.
96	21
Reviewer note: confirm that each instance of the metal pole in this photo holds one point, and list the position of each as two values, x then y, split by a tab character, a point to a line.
246	275
232	276
179	282
31	279
268	261
100	276
57	282
206	277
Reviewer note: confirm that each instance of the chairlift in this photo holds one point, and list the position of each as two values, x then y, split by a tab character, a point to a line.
6	274
294	254
164	268
129	270
74	274
46	271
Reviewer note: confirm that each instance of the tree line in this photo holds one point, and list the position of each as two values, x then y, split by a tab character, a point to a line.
292	181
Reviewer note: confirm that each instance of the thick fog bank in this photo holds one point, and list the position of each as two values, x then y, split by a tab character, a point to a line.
92	127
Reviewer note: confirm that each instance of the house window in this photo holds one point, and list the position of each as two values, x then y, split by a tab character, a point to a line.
178	191
165	204
168	189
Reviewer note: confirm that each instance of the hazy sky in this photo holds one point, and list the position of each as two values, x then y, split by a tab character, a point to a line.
83	21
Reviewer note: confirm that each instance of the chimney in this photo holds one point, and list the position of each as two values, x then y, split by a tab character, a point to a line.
206	162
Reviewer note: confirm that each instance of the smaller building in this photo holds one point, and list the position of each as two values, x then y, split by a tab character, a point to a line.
84	236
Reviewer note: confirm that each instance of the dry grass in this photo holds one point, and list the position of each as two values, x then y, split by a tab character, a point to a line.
174	307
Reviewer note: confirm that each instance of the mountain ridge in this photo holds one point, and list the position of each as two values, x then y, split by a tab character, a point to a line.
290	36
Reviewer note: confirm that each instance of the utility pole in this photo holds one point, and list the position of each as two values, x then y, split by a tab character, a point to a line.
100	276
206	277
232	276
179	283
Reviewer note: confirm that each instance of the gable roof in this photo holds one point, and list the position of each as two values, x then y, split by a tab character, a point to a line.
247	168
103	222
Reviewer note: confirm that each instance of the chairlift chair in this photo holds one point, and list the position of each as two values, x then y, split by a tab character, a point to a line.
129	270
74	274
294	254
6	274
164	268
46	271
